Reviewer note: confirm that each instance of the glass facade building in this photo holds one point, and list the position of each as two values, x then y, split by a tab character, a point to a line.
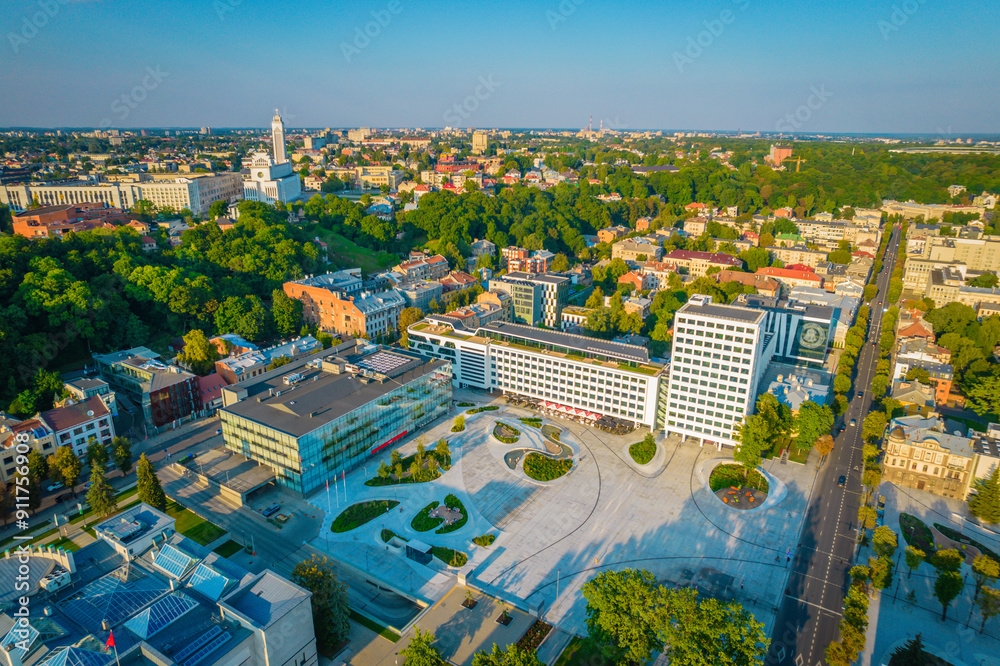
305	461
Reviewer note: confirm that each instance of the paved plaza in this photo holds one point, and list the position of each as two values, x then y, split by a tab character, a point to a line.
893	619
607	513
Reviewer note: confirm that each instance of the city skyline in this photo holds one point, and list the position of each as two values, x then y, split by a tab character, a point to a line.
736	64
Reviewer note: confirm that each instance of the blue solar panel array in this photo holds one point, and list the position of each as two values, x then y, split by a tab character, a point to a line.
173	562
159	615
214	645
197	644
208	582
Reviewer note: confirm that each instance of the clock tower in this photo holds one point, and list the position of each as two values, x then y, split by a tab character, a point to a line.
278	138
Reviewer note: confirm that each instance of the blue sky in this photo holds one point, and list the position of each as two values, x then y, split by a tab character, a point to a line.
924	66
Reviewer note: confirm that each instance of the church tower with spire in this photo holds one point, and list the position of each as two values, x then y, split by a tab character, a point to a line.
278	138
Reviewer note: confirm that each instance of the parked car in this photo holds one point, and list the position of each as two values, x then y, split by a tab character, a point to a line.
271	510
56	486
842	481
62	498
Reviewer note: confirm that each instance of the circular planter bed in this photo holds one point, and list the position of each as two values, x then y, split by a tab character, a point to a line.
358	514
730	486
642	452
506	434
543	468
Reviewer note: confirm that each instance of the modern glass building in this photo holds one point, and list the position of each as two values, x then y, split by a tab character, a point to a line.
310	420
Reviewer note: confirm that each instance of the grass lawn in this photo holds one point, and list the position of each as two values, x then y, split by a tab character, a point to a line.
453	502
725	476
444	463
543	468
584	652
450	556
65	544
229	549
422	522
344	252
917	534
193	526
384	632
358	514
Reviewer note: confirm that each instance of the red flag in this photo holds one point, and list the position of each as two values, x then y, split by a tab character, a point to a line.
111	640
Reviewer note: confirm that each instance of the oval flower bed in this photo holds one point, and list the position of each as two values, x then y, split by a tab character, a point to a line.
728	484
358	514
506	434
543	468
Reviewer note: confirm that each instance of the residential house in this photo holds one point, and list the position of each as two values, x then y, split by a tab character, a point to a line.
790	279
639	281
637	250
764	285
916	398
74	425
611	234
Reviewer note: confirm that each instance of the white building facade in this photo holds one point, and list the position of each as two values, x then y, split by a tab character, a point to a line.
719	355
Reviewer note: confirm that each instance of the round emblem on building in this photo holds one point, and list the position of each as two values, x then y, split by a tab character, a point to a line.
812	336
260	174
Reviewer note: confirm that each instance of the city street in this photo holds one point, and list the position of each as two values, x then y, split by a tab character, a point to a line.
810	613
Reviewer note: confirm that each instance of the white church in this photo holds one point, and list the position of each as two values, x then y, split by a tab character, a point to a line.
272	178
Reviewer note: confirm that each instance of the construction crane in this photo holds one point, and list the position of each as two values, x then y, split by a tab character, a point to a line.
798	162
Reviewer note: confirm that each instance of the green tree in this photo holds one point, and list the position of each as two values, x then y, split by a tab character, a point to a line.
442	451
989	605
754	436
919	375
914	558
948	560
97	454
420	651
842	383
512	656
408	317
984	281
910	653
946	588
560	263
287	313
708	631
278	362
246	316
616	613
121	453
101	495
68	464
873	426
199	354
331	614
984	503
218	209
866	517
596	298
324	339
148	485
984	570
459	424
812	421
38	466
984	396
884	542
882	569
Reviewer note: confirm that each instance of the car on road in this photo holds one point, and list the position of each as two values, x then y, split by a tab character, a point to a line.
218	431
56	486
861	394
854	422
842	481
271	510
62	498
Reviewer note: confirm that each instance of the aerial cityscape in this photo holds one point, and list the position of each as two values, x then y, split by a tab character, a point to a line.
651	335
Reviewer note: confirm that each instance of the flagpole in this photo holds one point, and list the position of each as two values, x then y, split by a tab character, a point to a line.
117	663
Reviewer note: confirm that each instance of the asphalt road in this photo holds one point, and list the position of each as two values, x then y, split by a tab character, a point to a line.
809	616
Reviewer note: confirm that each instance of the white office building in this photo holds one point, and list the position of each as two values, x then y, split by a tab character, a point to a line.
720	353
557	370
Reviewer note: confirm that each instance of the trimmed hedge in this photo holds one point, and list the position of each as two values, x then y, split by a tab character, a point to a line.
358	514
485	540
543	468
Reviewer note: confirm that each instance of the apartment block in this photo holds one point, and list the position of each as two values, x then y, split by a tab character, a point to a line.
57	221
698	263
164	393
536	298
74	425
797	254
423	268
637	250
345	310
920	453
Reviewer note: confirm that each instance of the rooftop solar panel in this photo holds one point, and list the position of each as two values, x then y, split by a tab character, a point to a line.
197	643
211	647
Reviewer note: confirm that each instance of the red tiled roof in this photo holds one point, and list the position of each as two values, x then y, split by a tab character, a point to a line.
789	274
63	418
714	257
211	387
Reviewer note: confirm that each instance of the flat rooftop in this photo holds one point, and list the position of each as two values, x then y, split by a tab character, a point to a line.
618	350
321	396
718	311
